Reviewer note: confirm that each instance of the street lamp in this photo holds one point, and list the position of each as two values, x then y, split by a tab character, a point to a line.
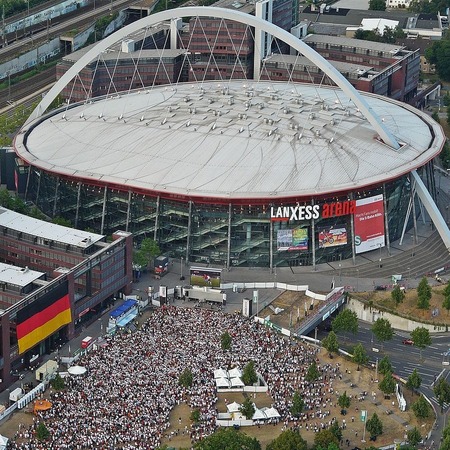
181	269
26	19
340	277
9	85
379	246
357	280
49	19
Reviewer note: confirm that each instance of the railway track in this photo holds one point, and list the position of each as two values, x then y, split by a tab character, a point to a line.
27	87
62	24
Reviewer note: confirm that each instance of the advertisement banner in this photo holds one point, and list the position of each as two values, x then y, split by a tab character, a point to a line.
204	276
369	224
292	240
332	236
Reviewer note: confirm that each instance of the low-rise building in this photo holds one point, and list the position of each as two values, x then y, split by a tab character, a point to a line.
53	279
380	68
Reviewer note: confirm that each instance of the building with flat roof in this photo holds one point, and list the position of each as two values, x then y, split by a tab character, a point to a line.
334	18
53	279
386	69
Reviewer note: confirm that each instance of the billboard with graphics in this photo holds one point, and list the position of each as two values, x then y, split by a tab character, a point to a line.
332	236
292	239
369	224
205	276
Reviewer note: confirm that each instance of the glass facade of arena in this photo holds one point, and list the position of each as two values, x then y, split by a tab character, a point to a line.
218	234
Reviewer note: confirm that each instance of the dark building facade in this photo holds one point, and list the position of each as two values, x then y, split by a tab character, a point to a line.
54	280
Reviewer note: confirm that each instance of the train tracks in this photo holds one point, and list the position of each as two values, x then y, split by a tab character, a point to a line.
24	89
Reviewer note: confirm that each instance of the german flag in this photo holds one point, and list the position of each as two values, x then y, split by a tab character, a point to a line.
40	319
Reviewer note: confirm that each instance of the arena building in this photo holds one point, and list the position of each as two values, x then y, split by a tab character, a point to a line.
227	172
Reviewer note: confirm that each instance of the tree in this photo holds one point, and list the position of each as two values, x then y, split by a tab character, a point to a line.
397	294
435	116
331	446
414	436
446	432
288	440
377	5
414	381
421	338
391	34
139	259
186	378
385	365
345	321
324	438
37	213
374	426
5	198
446	302
344	402
195	416
42	432
57	383
445	156
360	355
445	444
227	438
247	409
330	343
382	330
62	221
421	408
148	250
423	294
298	404
387	385
427	6
446	99
313	373
439	54
225	341
336	430
441	390
249	376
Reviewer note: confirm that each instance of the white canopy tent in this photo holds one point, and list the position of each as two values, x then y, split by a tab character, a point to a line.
271	413
233	407
259	414
236	382
235	373
222	382
77	370
220	373
3	442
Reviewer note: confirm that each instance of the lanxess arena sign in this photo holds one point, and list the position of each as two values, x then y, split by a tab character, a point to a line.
308	212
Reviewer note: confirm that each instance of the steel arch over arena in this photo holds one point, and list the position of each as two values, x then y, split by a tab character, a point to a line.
235	172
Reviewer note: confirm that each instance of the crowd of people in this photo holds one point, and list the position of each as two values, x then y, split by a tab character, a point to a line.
132	383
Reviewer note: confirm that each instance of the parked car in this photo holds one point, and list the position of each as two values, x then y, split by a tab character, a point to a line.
380	288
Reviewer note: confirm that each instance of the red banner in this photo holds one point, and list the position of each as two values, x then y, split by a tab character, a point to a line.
369	224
